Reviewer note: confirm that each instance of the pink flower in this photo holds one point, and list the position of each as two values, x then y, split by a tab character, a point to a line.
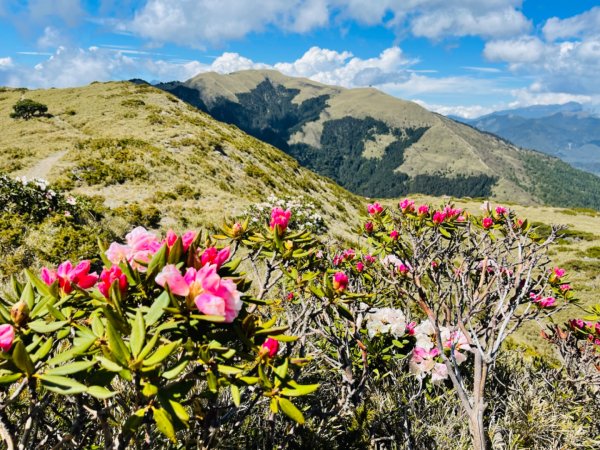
140	247
67	276
360	266
407	206
543	302
171	276
108	276
423	210
558	272
217	296
501	210
374	208
290	296
438	217
487	222
340	281
394	235
410	328
280	219
451	213
213	256
461	218
186	239
403	269
270	347
211	294
348	254
369	227
7	336
369	259
564	287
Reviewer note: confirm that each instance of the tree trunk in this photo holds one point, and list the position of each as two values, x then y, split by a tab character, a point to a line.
478	431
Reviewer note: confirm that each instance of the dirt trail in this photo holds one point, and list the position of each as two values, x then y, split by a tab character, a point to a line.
42	168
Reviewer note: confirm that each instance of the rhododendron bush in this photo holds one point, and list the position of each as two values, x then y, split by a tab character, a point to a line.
264	336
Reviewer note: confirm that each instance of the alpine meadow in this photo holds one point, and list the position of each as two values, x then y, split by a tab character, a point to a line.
299	225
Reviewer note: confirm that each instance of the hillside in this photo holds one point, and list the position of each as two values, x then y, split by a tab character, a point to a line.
377	145
565	131
134	146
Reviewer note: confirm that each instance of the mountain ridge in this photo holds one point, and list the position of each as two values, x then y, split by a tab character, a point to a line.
396	146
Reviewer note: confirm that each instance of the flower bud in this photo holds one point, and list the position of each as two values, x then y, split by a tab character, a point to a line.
269	347
19	313
7	336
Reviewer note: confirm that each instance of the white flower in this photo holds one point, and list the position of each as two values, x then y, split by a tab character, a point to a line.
386	321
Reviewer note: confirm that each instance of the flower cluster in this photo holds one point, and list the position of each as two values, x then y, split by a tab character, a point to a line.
387	321
426	357
304	215
585	329
69	276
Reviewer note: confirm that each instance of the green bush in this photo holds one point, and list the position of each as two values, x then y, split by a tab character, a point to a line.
27	109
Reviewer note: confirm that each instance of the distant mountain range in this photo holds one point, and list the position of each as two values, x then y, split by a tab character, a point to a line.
380	146
566	131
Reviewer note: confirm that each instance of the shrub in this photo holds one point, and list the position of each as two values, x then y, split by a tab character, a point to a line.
27	109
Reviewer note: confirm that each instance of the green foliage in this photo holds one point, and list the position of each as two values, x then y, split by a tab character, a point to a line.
139	215
28	109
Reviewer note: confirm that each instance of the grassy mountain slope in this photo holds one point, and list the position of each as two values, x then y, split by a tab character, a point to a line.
136	145
377	145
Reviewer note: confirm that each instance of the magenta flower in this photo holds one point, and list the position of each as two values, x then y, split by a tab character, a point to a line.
369	227
501	210
410	328
402	269
270	347
407	206
213	256
543	302
394	235
369	259
138	251
108	277
7	336
340	281
438	217
360	266
67	276
374	208
487	222
558	272
423	210
564	287
280	219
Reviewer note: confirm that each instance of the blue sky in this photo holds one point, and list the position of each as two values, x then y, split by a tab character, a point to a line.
465	57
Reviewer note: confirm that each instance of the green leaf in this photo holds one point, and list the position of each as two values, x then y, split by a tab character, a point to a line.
116	345
344	311
149	390
176	252
291	411
229	370
158	261
22	360
40	307
55	312
135	420
62	385
84	344
164	423
28	296
71	368
138	334
41	326
100	392
97	326
284	338
157	308
208	318
272	331
161	353
148	347
41	287
43	351
281	372
179	411
235	395
211	379
175	371
445	233
299	390
109	365
7	379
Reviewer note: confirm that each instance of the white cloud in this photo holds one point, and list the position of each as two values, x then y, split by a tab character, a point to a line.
532	96
5	63
343	69
50	39
576	26
466	111
526	49
197	23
